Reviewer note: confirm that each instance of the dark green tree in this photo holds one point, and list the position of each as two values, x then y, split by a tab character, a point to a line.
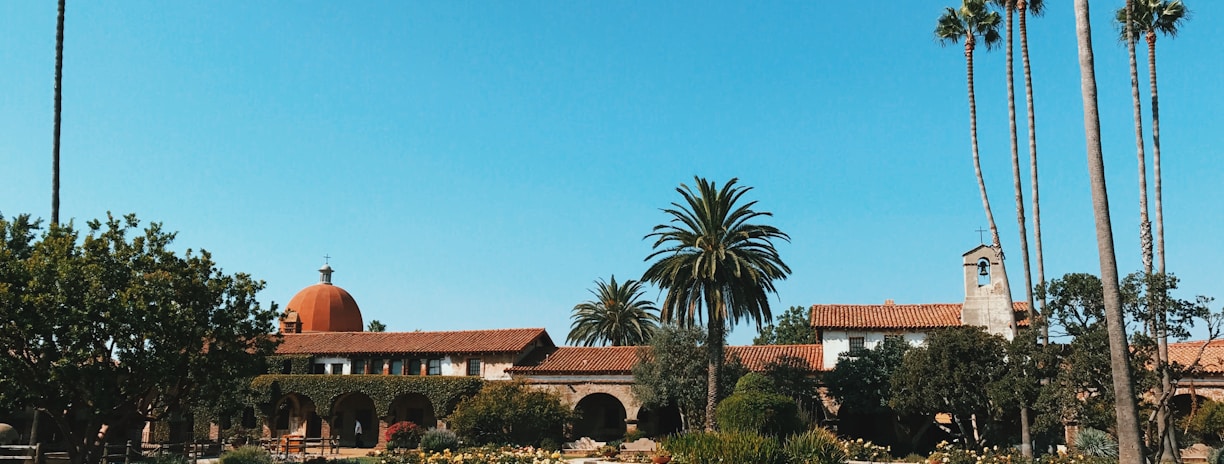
115	328
862	381
618	315
795	378
716	266
951	374
376	326
794	327
511	412
672	370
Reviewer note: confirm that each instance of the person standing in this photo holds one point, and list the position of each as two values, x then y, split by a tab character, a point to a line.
357	434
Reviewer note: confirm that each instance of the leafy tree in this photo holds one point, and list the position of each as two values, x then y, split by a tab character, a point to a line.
862	382
107	330
376	326
672	370
1129	440
511	412
794	327
950	374
617	315
711	256
795	378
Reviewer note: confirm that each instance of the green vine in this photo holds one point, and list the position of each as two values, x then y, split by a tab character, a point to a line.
443	392
300	364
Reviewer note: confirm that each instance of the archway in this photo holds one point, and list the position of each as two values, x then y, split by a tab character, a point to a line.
349	410
413	407
660	421
295	415
602	417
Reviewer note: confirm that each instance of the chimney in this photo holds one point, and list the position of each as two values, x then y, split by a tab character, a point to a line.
889	302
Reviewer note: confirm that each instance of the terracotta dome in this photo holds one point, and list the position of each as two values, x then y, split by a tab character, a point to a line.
324	307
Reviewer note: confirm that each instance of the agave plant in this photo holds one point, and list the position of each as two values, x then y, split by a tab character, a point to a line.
1093	442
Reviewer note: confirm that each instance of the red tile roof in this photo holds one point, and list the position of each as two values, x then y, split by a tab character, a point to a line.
619	360
894	316
459	342
1212	360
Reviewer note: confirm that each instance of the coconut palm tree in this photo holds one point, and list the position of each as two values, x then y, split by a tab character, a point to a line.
617	315
1130	445
972	22
1009	8
55	138
716	266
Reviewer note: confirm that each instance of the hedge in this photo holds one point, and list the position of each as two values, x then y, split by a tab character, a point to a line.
443	392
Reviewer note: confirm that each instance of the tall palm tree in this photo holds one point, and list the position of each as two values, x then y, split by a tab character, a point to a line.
1130	445
973	21
716	266
1023	8
1151	18
617	315
55	138
1009	8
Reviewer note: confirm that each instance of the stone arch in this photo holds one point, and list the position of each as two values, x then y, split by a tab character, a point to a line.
413	407
294	414
349	409
601	417
1186	403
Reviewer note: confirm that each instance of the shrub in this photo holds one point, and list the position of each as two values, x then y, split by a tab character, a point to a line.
247	455
860	450
437	440
405	435
948	454
633	435
714	447
816	446
511	412
1215	456
1095	443
754	382
756	408
1207	423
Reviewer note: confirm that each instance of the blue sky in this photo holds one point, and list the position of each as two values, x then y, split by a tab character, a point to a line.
480	164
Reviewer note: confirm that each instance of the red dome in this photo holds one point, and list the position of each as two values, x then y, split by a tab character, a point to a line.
324	307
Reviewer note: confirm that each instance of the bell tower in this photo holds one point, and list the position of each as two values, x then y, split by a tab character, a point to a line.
988	300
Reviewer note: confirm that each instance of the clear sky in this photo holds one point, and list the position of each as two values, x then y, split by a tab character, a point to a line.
475	165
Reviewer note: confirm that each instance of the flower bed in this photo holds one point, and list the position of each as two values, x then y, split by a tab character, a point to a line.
485	455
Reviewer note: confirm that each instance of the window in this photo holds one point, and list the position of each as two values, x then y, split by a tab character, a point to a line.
857	344
376	367
359	366
337	368
894	336
414	367
473	366
435	367
318	368
287	366
397	367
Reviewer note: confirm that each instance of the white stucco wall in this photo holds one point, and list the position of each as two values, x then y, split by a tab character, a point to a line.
837	342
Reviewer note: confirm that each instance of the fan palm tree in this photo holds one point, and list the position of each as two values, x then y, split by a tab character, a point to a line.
1023	8
973	21
55	138
716	266
1130	446
1009	8
617	315
1152	18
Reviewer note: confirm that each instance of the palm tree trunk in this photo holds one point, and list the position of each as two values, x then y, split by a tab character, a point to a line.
973	138
1022	6
55	138
1130	445
1145	226
1164	419
714	349
1026	445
